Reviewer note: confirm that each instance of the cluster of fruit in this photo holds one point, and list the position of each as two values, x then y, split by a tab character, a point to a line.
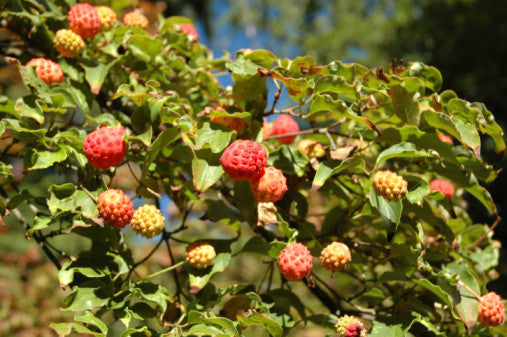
86	21
246	160
105	148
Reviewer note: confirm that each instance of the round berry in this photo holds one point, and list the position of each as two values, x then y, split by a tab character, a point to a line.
285	124
295	261
335	256
244	160
350	326
107	17
135	19
148	221
47	70
389	185
491	310
444	186
105	147
68	43
115	207
190	31
311	148
84	20
269	187
445	138
200	254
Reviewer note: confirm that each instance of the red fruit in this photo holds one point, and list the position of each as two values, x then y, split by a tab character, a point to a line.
105	147
491	310
270	187
354	330
244	160
445	138
444	186
295	261
285	124
190	31
84	20
47	70
115	207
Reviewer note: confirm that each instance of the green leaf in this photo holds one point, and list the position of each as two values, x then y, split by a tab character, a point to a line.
289	160
45	159
467	304
405	104
96	72
217	139
401	150
151	292
89	295
89	318
200	277
262	320
390	210
326	320
65	329
418	188
329	168
206	170
324	108
430	76
380	329
245	201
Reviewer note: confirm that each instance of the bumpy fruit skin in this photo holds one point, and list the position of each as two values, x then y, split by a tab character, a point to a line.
200	254
115	207
270	187
445	138
84	20
135	19
295	261
105	147
491	310
444	186
285	124
389	185
190	31
47	70
147	221
350	326
311	148
267	129
335	256
107	17
68	43
244	160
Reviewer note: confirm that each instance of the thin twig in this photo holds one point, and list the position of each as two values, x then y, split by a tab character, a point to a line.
142	184
476	242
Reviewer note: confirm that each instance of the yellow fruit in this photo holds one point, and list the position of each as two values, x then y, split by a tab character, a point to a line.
350	326
389	185
311	148
68	43
335	256
148	221
200	254
107	17
135	19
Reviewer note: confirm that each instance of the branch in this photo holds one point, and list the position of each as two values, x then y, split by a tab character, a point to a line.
476	242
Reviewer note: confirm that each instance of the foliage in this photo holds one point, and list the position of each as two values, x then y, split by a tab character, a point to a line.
417	263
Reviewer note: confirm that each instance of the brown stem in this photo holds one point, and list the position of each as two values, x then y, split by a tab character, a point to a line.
476	242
